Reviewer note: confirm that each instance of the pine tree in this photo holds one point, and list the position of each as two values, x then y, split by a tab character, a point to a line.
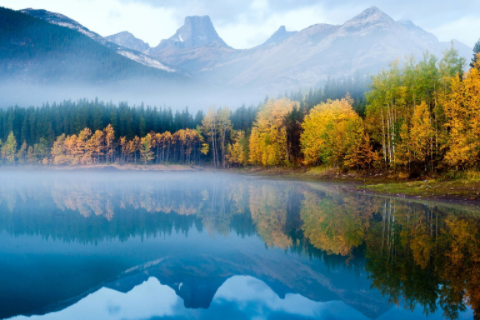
476	52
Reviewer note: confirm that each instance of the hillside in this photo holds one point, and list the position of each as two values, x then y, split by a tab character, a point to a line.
120	43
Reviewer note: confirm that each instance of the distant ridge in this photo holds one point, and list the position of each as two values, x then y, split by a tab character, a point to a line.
278	37
34	50
365	43
128	40
288	60
129	53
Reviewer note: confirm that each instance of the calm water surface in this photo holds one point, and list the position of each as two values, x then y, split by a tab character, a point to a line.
213	246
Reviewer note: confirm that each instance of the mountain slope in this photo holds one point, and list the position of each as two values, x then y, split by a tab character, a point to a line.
128	40
34	50
278	37
130	53
437	46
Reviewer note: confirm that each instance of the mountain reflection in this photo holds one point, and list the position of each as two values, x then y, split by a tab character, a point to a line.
414	254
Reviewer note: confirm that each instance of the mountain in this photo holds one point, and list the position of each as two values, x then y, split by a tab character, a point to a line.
194	47
366	44
437	46
195	32
288	60
33	50
128	40
126	51
196	279
278	37
418	32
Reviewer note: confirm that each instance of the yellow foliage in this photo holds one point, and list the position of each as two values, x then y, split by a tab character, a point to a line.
462	109
236	153
268	140
332	131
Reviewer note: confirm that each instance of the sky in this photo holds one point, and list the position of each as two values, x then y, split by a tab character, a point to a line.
247	23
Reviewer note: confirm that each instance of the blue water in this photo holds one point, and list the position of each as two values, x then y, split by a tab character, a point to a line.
212	246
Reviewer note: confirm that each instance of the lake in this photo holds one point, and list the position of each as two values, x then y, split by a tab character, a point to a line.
143	245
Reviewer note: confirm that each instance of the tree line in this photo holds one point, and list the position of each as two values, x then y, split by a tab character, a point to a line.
421	115
50	121
30	134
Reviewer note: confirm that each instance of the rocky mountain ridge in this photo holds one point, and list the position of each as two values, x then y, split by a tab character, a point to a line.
278	37
128	40
132	54
196	32
289	60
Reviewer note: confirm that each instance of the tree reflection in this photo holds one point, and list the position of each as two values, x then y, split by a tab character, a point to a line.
336	223
427	255
415	253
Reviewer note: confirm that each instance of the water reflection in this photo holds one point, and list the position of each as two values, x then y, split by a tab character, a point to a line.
90	245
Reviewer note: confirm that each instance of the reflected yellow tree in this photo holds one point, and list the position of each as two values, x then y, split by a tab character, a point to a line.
268	207
336	223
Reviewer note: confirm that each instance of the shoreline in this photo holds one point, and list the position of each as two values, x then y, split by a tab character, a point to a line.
109	168
459	191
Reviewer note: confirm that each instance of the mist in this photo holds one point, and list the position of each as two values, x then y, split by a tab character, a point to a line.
195	97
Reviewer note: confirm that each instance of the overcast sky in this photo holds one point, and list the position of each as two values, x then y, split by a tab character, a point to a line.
246	23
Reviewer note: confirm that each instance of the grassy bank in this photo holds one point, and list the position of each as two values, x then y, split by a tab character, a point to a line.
461	190
463	187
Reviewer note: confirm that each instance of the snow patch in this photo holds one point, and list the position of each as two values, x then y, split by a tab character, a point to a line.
145	61
91	35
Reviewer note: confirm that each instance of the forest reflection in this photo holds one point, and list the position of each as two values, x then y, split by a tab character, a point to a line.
415	253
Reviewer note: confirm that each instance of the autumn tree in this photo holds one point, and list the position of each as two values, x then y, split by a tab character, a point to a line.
59	151
95	146
362	155
225	126
9	149
237	153
462	110
268	140
422	135
210	129
332	131
109	135
22	153
146	153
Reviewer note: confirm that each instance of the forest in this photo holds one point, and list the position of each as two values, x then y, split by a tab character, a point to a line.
412	116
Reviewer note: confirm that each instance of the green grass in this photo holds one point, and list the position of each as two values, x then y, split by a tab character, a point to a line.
461	189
